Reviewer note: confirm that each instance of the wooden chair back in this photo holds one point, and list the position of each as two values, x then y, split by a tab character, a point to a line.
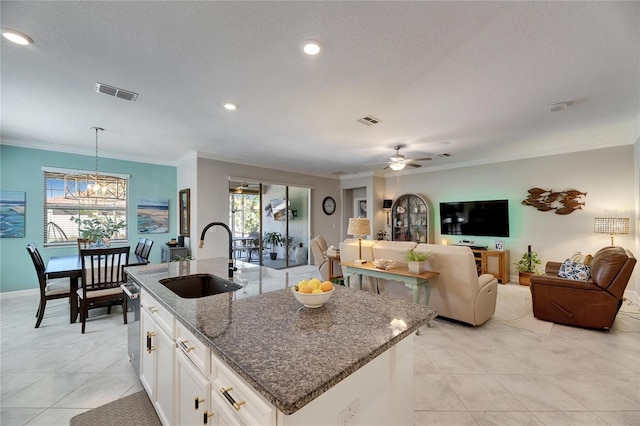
140	246
83	244
146	249
103	268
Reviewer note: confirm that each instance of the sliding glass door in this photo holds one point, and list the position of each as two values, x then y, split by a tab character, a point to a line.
270	223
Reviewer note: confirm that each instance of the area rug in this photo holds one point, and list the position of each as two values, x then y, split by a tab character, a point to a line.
132	410
513	307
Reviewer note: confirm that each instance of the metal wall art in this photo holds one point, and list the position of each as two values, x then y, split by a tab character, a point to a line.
561	202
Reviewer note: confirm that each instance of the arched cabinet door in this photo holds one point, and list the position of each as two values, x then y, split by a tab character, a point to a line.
410	219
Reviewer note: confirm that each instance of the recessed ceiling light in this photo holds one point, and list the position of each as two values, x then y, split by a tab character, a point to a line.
16	37
311	47
230	106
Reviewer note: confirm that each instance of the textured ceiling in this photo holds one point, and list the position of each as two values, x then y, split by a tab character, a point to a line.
473	79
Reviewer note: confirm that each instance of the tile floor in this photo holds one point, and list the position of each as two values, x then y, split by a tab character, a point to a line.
495	374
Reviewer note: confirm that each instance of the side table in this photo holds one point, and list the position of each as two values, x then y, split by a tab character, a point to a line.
331	259
167	254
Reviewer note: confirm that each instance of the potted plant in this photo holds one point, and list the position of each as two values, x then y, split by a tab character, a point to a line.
527	266
98	230
415	261
274	239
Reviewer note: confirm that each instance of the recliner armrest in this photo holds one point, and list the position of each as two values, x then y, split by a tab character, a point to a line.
552	268
562	282
485	279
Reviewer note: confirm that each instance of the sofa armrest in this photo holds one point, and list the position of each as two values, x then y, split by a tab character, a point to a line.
552	268
562	282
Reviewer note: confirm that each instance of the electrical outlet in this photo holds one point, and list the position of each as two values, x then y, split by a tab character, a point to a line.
350	416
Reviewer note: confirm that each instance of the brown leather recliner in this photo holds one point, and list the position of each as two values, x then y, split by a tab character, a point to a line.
590	304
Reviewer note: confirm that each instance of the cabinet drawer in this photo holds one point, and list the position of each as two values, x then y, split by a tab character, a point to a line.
160	315
250	407
193	348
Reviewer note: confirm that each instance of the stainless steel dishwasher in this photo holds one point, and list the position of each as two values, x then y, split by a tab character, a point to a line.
132	294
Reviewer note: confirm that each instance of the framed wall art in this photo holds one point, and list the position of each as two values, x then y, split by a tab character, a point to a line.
12	211
184	203
153	216
360	207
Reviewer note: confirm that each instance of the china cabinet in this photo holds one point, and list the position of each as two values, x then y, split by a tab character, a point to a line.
410	219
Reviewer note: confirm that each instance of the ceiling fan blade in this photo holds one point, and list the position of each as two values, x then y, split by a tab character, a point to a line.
420	159
413	165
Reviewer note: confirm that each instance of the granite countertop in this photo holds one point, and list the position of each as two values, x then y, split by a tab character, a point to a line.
289	353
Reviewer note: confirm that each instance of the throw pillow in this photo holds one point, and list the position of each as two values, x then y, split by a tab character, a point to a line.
574	270
581	258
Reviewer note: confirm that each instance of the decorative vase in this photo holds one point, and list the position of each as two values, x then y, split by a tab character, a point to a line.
273	255
524	278
416	267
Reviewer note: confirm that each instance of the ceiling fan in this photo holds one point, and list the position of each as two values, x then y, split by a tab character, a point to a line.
398	161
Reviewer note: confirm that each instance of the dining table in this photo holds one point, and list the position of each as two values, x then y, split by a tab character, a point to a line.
71	267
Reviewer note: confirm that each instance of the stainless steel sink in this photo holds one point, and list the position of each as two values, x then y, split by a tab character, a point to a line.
198	285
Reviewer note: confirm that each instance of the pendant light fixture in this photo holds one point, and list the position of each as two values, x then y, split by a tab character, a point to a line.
96	185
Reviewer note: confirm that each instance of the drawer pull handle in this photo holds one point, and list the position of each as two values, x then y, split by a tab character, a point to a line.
198	401
152	309
232	401
150	348
205	417
184	346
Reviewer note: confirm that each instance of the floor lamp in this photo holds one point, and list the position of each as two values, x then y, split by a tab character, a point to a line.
359	227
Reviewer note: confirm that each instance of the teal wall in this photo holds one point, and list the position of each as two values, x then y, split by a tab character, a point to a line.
20	170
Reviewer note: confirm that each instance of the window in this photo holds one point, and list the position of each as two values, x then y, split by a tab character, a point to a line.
74	193
244	214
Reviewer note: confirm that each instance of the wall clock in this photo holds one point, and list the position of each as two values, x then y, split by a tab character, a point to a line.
328	205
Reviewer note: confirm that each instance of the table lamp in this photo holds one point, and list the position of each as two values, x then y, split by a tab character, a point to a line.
359	227
612	226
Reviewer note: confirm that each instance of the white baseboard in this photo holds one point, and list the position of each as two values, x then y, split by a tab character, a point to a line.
19	293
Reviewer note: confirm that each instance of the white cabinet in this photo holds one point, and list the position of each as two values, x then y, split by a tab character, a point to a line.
157	356
236	401
193	395
193	399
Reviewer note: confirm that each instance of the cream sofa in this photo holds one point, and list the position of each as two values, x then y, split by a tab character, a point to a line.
456	293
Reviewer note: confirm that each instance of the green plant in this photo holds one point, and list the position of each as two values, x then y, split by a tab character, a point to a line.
182	259
412	256
274	239
98	228
529	262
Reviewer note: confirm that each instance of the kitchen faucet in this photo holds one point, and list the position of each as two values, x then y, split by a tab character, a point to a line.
224	225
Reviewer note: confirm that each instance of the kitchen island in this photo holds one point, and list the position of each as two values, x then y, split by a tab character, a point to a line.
349	360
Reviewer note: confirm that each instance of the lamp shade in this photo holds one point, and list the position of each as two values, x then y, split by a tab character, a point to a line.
358	227
612	225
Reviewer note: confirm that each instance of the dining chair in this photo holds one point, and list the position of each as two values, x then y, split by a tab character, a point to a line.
102	274
58	288
146	250
140	246
83	244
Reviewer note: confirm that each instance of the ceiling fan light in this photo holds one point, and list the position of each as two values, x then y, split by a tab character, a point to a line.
397	165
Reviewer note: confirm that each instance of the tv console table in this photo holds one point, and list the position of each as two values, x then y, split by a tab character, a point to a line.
494	262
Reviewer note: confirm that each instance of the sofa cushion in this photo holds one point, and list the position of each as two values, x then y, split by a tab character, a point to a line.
574	270
581	258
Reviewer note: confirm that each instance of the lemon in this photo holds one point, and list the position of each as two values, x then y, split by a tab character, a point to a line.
316	291
304	289
314	283
326	286
302	282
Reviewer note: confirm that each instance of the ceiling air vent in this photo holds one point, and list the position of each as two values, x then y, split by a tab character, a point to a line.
369	120
114	91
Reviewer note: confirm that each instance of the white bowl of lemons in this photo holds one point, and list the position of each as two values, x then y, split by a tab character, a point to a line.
313	293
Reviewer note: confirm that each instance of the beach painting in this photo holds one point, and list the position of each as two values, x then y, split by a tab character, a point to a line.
12	204
153	216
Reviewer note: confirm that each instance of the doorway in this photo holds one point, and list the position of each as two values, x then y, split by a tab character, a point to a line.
270	223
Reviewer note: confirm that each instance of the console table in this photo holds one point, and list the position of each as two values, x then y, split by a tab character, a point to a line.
402	274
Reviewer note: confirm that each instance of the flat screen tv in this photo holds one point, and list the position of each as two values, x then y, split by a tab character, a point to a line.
475	218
